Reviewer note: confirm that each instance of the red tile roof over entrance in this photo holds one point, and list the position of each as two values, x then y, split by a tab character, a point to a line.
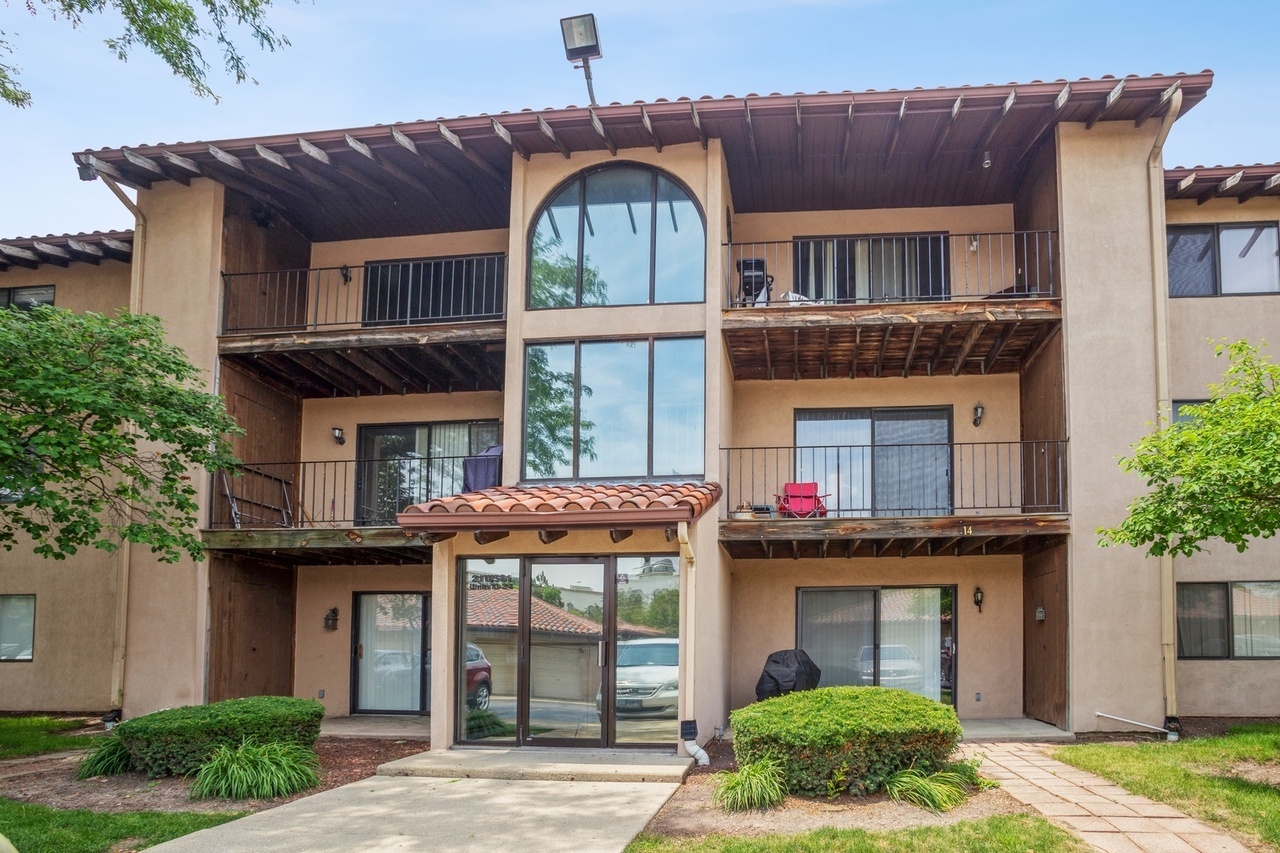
562	506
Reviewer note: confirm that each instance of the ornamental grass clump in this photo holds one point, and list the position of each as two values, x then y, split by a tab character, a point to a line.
110	758
257	771
754	786
835	739
939	792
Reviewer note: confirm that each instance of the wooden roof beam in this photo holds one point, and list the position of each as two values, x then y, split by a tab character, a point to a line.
231	162
853	359
599	128
648	126
1108	104
969	341
993	123
975	543
505	135
546	537
116	250
751	134
484	165
799	136
86	252
1159	105
697	124
1055	110
945	133
483	371
884	348
897	132
431	163
391	168
146	164
551	134
911	350
846	139
1185	184
319	155
112	172
19	257
1265	187
1220	187
910	546
939	547
1005	334
55	255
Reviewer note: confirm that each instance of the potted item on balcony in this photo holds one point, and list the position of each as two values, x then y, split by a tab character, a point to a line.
744	510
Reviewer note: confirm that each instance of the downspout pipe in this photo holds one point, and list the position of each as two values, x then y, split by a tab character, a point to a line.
1164	403
124	556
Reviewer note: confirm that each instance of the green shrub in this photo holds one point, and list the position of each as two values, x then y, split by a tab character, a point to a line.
484	724
257	770
967	770
833	738
179	740
938	792
753	786
111	758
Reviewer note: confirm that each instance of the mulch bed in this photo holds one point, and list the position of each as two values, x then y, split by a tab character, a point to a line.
51	781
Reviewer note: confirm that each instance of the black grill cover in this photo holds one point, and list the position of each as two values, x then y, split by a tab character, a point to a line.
787	671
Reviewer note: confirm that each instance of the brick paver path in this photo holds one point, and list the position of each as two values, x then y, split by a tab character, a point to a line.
1101	812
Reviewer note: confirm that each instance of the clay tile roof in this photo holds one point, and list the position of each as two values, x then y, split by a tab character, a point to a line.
564	506
500	608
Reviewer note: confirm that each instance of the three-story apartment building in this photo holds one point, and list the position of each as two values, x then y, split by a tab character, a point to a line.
559	422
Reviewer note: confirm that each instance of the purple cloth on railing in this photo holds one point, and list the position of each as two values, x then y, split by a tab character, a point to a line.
483	471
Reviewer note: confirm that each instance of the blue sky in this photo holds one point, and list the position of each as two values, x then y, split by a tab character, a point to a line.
353	64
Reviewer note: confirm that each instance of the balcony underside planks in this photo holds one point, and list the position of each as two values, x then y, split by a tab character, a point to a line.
364	362
906	339
323	546
845	538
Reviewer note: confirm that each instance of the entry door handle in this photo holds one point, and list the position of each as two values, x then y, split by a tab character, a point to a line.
601	653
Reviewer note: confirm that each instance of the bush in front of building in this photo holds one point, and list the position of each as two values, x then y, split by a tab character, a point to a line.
177	741
257	770
845	738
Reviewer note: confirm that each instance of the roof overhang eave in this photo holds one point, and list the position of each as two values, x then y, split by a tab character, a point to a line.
414	520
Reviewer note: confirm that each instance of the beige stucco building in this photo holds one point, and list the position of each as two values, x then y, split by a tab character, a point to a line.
841	372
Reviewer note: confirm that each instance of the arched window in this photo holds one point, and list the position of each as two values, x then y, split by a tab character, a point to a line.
620	235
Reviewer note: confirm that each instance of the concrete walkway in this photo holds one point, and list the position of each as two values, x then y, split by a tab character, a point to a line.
1102	813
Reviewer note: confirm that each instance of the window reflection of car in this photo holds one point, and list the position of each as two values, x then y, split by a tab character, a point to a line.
647	677
396	667
1256	646
479	678
899	667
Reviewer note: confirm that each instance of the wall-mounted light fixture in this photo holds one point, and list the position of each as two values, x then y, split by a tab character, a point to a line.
345	272
331	619
978	411
986	159
582	41
977	598
338	437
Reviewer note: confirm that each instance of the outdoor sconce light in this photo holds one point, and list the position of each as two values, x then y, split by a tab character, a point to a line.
978	411
986	159
338	437
345	272
977	598
331	619
582	41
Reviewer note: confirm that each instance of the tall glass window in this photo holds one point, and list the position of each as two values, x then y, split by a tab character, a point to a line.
622	235
603	409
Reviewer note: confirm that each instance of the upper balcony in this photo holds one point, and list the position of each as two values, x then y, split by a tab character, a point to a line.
919	304
390	327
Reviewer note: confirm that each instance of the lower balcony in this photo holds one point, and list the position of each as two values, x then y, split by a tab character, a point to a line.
894	499
336	511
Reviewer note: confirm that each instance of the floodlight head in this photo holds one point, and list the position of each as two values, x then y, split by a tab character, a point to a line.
581	39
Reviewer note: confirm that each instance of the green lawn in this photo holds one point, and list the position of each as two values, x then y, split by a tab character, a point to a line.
40	829
1013	833
1195	776
21	736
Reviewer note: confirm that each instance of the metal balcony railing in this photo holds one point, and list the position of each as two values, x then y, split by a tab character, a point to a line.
345	493
897	480
386	293
889	269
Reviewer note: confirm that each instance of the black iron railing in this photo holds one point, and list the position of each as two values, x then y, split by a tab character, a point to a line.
896	268
897	480
386	293
349	492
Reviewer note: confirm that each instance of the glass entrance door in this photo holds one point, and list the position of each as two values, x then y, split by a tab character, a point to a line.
390	657
567	652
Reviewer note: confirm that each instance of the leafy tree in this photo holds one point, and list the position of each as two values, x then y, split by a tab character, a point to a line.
547	591
1216	474
171	29
664	612
101	422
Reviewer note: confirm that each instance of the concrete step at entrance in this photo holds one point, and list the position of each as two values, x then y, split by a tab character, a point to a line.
1013	730
560	765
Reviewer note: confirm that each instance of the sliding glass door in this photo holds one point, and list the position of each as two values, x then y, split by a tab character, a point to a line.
891	637
391	658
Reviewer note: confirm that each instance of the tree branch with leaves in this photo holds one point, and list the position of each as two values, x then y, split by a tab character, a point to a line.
171	29
102	425
1215	474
